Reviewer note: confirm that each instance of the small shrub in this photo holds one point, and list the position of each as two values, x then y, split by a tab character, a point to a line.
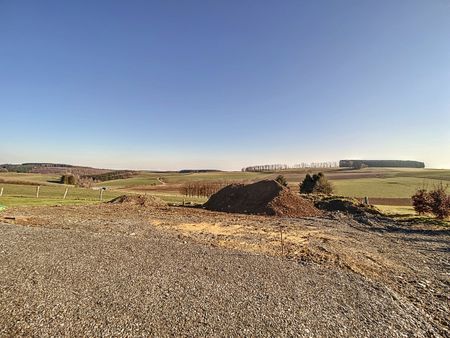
317	184
436	201
440	202
282	180
322	185
69	179
307	185
85	182
422	202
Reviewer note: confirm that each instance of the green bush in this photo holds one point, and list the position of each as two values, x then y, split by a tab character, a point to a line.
317	184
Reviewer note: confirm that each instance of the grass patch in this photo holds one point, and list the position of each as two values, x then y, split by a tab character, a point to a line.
138	180
392	187
32	179
407	214
396	210
16	194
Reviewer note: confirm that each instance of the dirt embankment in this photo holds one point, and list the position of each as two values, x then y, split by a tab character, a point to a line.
261	198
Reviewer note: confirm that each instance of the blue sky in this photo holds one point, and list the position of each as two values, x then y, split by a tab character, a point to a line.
224	84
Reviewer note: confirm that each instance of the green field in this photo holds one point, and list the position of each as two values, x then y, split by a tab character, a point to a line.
213	176
32	179
141	179
16	195
370	182
394	187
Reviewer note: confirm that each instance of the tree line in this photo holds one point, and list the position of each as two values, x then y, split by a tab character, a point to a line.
202	188
358	164
303	165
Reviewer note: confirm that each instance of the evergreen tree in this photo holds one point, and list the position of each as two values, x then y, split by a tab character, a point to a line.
307	185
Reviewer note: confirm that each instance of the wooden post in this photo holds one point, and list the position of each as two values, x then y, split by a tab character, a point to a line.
101	194
1	192
65	193
282	242
366	200
37	191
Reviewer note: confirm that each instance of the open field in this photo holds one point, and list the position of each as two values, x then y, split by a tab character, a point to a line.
391	186
18	194
31	179
170	271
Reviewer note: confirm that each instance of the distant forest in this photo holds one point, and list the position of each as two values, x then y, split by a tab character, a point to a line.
277	167
51	168
380	164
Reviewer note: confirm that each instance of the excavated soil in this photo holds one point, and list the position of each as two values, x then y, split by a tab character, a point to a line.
347	205
261	198
140	200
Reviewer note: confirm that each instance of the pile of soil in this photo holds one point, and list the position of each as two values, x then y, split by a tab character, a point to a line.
347	205
140	200
266	197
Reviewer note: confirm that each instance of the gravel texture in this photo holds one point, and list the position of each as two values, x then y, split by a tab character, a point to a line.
85	274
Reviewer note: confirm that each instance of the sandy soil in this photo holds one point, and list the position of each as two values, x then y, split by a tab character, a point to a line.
125	270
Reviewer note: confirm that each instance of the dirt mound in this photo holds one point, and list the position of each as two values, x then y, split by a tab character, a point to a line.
347	205
261	198
140	200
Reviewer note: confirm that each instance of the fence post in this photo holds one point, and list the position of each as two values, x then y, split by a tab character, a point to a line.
1	192
101	194
37	191
65	193
282	242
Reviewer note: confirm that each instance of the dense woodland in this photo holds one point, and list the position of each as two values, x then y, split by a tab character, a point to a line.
51	168
358	164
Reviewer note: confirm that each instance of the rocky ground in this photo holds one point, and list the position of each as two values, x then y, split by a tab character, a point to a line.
115	270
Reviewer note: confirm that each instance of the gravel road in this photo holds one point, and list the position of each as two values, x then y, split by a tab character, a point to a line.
81	282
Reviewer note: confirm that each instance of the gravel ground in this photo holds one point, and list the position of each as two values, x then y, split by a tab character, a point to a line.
97	276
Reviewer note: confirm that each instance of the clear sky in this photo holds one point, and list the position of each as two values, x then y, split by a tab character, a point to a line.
224	84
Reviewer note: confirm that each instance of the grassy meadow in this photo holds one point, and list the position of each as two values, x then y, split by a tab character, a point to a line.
18	195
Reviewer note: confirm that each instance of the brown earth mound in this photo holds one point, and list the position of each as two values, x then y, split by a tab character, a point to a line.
347	205
262	198
140	200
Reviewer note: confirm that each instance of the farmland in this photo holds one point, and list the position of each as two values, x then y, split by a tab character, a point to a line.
386	186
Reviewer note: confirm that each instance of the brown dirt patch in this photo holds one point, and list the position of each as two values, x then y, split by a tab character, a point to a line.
261	198
140	200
